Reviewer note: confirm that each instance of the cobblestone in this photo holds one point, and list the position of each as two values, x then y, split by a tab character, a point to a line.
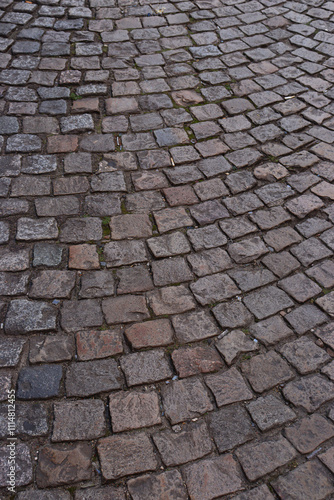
166	241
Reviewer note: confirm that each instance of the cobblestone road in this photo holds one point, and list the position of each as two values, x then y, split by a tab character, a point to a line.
167	248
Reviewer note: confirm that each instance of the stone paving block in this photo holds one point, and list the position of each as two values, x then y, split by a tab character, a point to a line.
258	493
172	270
92	377
309	433
130	226
309	392
104	493
52	284
185	399
267	301
231	427
64	464
269	412
171	300
134	410
122	253
24	472
194	326
247	250
190	443
209	261
49	349
169	245
150	334
228	387
300	287
309	479
78	420
260	373
80	314
310	251
261	458
213	477
145	367
194	360
36	229
304	355
39	382
215	288
169	484
95	344
234	343
97	284
125	309
270	331
126	454
26	316
11	350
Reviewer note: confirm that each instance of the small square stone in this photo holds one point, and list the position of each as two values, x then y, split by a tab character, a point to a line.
266	371
269	412
300	287
309	392
185	399
133	410
228	387
145	367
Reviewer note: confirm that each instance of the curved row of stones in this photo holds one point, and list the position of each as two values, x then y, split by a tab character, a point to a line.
167	248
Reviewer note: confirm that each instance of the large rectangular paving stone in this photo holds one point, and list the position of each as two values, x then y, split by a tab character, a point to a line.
31	419
78	420
194	326
171	300
122	253
126	454
309	392
92	377
125	309
26	316
51	348
52	284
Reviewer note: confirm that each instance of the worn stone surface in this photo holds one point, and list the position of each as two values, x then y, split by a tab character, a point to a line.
309	479
269	412
78	420
231	427
126	454
64	464
261	458
266	370
168	484
166	241
133	410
